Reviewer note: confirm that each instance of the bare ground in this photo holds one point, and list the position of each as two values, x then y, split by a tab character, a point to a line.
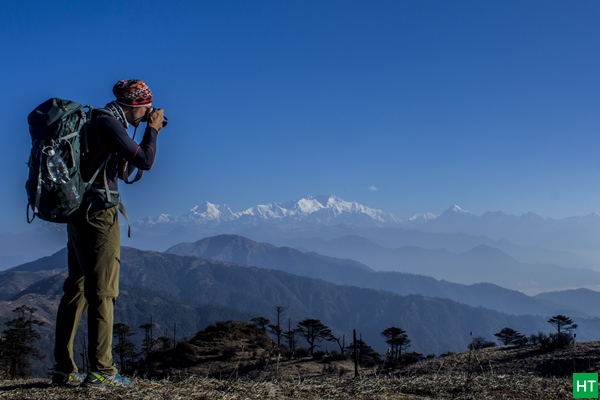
440	387
246	367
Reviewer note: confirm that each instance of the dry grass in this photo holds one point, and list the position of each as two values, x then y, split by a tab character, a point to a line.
423	387
493	373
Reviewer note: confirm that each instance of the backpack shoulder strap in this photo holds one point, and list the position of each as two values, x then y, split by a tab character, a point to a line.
95	113
90	114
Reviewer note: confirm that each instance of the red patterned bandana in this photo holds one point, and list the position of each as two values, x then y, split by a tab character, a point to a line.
132	92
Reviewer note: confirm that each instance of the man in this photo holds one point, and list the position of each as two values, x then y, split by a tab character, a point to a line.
93	237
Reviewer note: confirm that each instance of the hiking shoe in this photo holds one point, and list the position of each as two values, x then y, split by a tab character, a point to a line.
64	379
100	380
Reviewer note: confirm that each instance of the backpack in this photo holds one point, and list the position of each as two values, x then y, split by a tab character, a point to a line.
55	127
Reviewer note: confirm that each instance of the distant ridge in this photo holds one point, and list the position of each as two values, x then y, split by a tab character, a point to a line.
529	238
243	251
199	289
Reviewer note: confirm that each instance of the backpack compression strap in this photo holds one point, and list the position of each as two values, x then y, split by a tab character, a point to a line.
35	208
38	192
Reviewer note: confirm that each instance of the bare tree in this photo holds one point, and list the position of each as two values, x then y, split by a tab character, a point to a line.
276	329
290	336
340	340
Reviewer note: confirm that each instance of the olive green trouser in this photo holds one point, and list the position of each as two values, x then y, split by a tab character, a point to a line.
93	283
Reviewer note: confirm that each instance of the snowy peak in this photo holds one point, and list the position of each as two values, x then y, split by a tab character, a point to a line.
320	209
457	210
335	207
452	216
309	206
210	212
423	217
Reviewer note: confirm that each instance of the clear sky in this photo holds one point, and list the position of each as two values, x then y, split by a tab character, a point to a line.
407	106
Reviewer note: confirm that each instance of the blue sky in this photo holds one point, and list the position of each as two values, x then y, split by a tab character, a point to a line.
406	106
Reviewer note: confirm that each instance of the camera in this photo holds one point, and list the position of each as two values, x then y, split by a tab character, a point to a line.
145	117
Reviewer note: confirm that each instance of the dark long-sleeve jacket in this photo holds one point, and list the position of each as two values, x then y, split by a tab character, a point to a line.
107	139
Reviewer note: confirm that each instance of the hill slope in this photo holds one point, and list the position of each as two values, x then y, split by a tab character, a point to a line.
174	288
243	251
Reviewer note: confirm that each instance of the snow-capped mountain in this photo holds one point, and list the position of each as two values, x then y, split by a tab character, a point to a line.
320	210
456	245
571	241
340	216
457	210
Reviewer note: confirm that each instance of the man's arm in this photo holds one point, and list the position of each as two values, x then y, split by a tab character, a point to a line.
140	155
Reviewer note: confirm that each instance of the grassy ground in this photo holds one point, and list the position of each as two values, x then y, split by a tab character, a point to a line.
440	387
492	373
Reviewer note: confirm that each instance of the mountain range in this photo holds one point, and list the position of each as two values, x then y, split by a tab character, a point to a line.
480	264
320	210
243	251
526	253
233	277
353	267
572	242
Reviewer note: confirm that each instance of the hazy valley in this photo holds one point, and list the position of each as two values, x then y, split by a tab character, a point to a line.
441	278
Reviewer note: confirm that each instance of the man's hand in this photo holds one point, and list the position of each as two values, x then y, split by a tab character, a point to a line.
155	119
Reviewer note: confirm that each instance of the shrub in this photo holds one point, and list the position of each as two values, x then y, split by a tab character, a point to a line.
229	353
553	341
411	358
538	338
521	341
330	369
301	352
446	354
560	340
479	342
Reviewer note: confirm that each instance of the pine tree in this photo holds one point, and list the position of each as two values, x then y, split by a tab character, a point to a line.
148	341
124	348
164	342
397	339
508	336
314	331
365	355
261	323
16	345
561	322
